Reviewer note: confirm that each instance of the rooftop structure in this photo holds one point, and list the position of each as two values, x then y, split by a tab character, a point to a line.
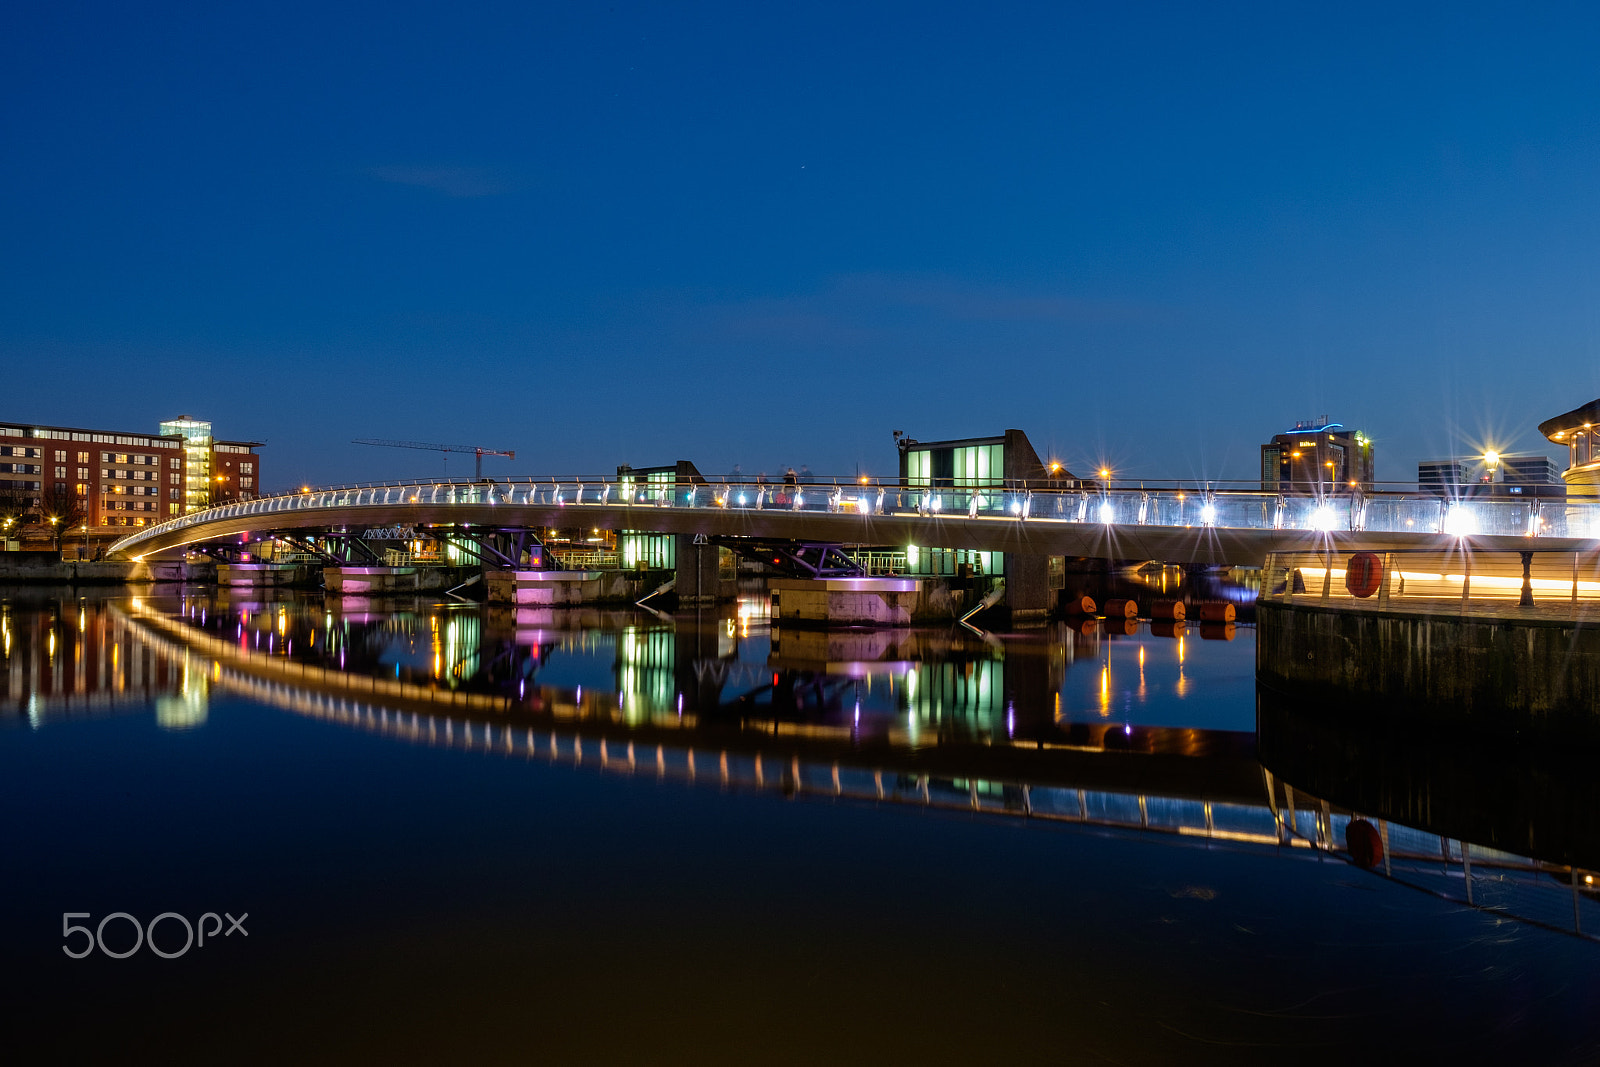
1578	431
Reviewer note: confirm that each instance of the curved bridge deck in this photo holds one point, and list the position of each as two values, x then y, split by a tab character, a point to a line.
1239	528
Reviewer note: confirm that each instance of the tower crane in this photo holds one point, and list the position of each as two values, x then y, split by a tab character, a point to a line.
476	450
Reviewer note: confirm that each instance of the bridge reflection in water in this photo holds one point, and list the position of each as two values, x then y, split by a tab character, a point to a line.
996	731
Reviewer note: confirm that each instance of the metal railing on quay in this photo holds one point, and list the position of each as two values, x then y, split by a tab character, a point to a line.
1461	571
1244	509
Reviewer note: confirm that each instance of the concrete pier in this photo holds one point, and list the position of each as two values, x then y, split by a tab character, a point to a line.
267	574
859	601
378	581
555	588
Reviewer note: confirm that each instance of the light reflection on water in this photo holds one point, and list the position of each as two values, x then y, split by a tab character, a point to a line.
1111	729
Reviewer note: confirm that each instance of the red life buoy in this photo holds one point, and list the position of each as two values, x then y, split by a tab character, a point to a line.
1364	842
1363	574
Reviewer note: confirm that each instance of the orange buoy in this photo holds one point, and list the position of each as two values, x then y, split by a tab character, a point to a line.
1215	611
1364	842
1079	605
1172	610
1121	609
1363	574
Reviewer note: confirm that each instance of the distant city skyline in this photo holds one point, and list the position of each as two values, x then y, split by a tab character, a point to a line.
1151	239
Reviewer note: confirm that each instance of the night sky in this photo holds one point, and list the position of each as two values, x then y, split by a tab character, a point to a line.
1149	235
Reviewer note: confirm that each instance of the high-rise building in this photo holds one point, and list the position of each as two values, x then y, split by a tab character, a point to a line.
218	471
1313	458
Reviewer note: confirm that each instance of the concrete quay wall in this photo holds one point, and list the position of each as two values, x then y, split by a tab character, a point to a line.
1514	672
48	568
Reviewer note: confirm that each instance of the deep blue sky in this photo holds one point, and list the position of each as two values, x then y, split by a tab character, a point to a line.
1149	235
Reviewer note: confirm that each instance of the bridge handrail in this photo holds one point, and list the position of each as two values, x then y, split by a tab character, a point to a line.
1376	511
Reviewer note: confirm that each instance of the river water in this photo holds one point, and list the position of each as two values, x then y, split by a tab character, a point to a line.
418	830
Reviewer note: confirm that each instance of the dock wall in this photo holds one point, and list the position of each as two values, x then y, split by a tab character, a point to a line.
1504	674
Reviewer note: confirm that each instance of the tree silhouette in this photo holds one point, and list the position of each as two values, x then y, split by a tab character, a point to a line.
62	503
15	504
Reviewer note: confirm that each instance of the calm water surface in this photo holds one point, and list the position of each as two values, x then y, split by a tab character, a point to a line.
475	833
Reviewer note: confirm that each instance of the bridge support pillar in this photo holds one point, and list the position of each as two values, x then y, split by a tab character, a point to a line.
1028	592
706	572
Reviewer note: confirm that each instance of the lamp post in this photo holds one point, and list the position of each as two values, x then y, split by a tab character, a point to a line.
86	540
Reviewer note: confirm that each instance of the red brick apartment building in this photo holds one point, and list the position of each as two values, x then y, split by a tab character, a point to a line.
123	479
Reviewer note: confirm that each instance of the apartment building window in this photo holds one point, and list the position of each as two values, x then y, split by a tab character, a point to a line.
172	494
176	479
246	483
83	457
83	489
247	468
105	457
61	457
61	472
83	472
175	463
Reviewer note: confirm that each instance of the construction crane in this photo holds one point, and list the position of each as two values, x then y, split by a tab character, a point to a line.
476	450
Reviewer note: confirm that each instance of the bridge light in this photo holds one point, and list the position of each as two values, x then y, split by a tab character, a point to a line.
1208	514
741	500
1108	514
1323	519
1016	508
1460	521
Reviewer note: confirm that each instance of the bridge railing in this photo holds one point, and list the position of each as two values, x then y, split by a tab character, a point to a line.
1385	512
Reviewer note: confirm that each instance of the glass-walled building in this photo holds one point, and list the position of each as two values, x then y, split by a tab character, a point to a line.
216	472
980	475
197	459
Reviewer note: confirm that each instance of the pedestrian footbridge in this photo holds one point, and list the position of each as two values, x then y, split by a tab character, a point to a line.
1194	527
